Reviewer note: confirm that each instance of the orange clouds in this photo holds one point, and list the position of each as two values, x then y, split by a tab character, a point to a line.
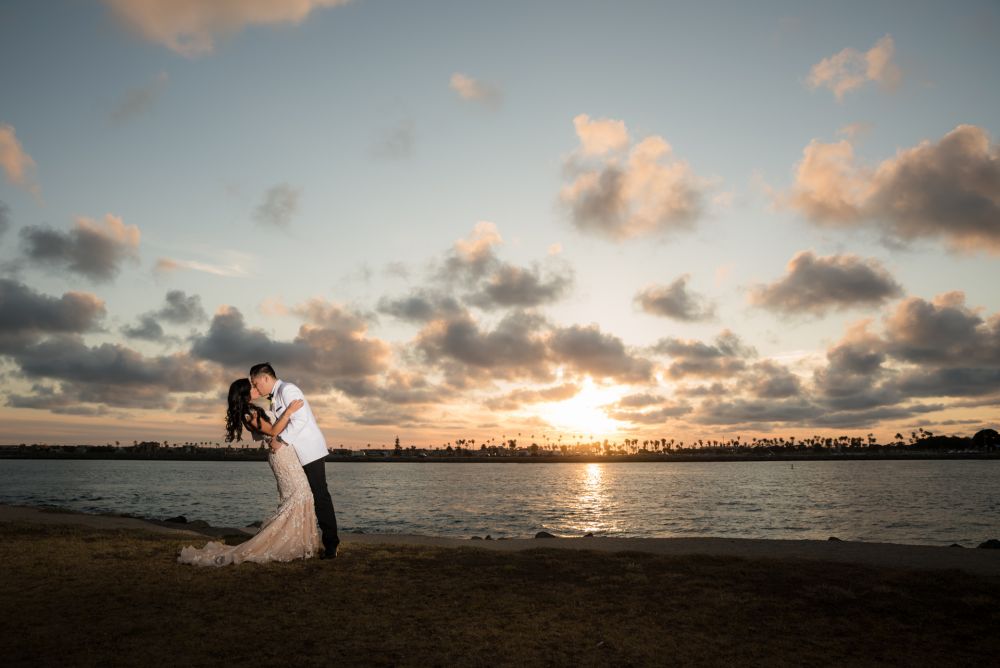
949	188
473	90
620	192
600	136
851	69
17	165
190	27
94	249
480	243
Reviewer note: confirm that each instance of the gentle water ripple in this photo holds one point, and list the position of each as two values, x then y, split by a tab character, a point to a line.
919	502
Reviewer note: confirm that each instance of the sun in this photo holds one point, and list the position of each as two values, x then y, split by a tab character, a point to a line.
583	413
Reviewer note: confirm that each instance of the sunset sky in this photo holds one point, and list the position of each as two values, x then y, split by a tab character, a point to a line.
450	220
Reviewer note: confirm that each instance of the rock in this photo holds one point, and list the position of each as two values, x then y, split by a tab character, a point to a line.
180	519
834	538
954	545
991	544
258	524
489	537
476	538
544	534
358	531
199	524
589	534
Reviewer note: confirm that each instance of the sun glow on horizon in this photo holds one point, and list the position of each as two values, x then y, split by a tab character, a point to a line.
584	413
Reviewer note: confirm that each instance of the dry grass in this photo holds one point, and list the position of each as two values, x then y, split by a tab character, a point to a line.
78	597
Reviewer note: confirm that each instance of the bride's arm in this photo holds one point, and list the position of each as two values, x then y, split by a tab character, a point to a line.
269	429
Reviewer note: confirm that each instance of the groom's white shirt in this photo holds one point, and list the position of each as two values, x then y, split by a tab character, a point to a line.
302	432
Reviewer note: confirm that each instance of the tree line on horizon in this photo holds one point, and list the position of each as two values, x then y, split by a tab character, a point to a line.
985	439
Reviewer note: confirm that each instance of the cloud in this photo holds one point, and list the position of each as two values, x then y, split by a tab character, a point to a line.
280	203
854	390
396	270
770	380
657	416
44	397
941	331
231	343
472	268
940	349
473	90
92	249
26	315
829	188
855	131
377	414
41	336
514	349
397	142
937	348
850	69
165	265
600	136
147	329
950	382
949	189
4	218
675	301
640	400
471	258
518	398
332	350
399	386
619	192
421	306
818	284
190	27
179	309
109	374
321	313
589	351
693	358
865	419
17	165
138	101
856	369
755	413
511	286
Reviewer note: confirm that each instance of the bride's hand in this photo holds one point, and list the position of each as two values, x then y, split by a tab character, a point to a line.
295	405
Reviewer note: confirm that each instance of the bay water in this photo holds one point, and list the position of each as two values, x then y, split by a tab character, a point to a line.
937	502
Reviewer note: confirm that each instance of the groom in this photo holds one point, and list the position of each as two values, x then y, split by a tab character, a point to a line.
303	434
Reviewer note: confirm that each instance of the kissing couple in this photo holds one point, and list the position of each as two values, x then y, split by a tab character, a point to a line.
277	413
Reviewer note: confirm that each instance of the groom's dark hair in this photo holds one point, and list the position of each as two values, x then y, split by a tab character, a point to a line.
261	369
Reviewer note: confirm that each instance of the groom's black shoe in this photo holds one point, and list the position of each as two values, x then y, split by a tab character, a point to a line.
330	551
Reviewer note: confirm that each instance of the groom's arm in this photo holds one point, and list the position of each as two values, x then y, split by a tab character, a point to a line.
298	420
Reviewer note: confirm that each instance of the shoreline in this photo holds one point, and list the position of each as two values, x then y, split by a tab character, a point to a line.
982	562
247	455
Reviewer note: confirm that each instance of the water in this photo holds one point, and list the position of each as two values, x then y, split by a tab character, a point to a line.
916	502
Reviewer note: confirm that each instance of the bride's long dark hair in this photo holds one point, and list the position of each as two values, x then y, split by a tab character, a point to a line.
239	410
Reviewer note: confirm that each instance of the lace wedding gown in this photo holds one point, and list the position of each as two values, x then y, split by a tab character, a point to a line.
290	533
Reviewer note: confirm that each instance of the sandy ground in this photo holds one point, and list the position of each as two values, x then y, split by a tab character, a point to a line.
888	555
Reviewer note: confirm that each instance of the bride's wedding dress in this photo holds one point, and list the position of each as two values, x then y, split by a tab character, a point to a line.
290	533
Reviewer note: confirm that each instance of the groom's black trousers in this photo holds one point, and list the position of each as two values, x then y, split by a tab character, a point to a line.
316	474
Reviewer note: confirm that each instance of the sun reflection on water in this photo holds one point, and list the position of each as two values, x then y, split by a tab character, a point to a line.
591	511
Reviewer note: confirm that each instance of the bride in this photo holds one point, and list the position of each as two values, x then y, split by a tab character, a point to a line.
291	531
